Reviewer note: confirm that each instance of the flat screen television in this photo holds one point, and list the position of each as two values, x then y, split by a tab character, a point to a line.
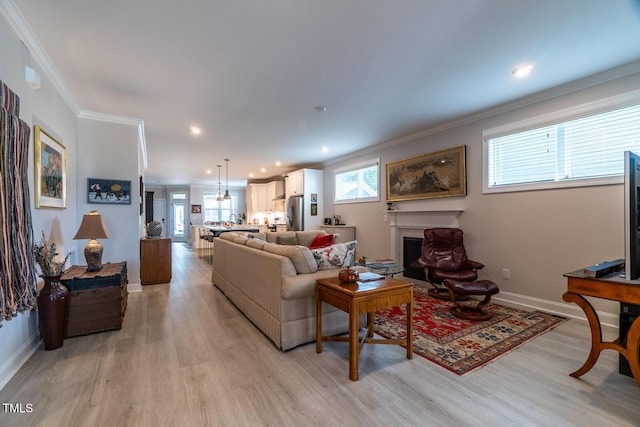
631	213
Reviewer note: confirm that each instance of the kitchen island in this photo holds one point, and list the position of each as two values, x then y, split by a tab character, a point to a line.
218	230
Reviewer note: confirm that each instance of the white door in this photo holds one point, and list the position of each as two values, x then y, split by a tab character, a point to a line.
178	215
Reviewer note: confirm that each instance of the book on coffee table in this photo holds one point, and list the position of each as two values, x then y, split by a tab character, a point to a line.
369	276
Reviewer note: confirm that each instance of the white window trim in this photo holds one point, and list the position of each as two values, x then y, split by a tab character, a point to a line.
590	108
352	167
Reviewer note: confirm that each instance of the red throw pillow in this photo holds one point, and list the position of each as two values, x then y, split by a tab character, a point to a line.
321	241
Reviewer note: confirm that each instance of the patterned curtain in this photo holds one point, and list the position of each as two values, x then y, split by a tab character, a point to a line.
17	265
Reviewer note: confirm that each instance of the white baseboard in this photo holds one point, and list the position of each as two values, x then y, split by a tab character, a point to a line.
134	287
607	320
17	352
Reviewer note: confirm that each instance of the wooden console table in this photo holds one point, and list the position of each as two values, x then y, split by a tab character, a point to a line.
359	298
613	288
155	260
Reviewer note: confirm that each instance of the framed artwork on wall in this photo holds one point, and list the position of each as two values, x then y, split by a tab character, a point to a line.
108	191
50	171
196	209
439	174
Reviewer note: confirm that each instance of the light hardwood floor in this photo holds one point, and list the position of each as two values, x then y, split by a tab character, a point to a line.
186	357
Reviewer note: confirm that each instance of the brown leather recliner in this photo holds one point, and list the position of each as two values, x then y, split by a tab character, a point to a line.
444	257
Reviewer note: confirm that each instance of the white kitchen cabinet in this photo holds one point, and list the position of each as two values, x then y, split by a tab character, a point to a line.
261	197
275	189
258	198
295	183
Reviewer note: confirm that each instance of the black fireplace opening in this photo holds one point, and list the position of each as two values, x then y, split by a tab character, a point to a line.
411	252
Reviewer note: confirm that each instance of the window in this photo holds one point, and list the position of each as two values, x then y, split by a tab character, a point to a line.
357	183
215	211
555	152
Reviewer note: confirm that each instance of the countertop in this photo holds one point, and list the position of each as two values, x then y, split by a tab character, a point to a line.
218	230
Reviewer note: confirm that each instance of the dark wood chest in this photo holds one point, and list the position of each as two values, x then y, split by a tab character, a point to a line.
97	300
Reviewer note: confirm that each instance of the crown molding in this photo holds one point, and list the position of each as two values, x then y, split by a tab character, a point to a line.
109	118
121	120
20	26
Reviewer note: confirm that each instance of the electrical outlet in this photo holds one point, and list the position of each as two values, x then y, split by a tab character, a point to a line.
385	217
506	273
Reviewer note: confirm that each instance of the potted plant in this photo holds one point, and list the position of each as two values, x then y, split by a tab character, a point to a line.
52	296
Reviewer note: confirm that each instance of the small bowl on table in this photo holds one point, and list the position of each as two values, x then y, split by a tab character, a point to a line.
348	276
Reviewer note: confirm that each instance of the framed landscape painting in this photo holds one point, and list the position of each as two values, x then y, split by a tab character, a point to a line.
438	174
108	191
50	171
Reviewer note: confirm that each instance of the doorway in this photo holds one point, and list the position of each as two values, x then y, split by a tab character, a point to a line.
178	215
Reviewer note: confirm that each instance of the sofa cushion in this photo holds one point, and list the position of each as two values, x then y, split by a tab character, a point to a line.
228	235
299	255
256	243
287	240
305	238
261	236
322	241
336	255
242	240
272	237
304	285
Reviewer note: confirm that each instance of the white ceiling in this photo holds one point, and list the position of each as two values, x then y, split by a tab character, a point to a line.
251	72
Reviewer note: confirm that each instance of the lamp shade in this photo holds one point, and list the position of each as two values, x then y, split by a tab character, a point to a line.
92	227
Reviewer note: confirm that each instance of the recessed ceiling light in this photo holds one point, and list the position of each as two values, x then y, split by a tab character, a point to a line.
321	108
209	171
278	163
263	170
324	149
522	71
195	130
251	175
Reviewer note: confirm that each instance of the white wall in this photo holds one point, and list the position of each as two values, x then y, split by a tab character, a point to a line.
94	149
538	235
110	151
44	107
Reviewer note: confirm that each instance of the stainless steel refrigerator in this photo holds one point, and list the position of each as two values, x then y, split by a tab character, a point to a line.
295	213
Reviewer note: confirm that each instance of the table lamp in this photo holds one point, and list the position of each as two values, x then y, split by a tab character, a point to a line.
92	228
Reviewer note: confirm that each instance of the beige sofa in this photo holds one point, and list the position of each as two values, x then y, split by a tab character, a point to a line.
274	284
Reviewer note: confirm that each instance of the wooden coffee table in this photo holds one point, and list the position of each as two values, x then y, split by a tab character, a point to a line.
359	298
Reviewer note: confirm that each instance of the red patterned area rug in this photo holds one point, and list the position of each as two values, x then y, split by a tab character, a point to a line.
462	345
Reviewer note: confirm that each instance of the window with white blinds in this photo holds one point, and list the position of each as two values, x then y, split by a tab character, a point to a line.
357	183
588	150
213	210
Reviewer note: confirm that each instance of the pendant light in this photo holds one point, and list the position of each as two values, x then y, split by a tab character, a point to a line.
227	196
219	196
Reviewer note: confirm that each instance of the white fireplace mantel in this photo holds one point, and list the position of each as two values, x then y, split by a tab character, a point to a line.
411	223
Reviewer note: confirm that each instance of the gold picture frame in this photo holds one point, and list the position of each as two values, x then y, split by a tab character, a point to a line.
438	174
50	171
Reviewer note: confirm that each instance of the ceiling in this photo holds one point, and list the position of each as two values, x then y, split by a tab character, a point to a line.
250	73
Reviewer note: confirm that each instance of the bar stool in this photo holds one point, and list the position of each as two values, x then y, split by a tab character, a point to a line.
207	253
